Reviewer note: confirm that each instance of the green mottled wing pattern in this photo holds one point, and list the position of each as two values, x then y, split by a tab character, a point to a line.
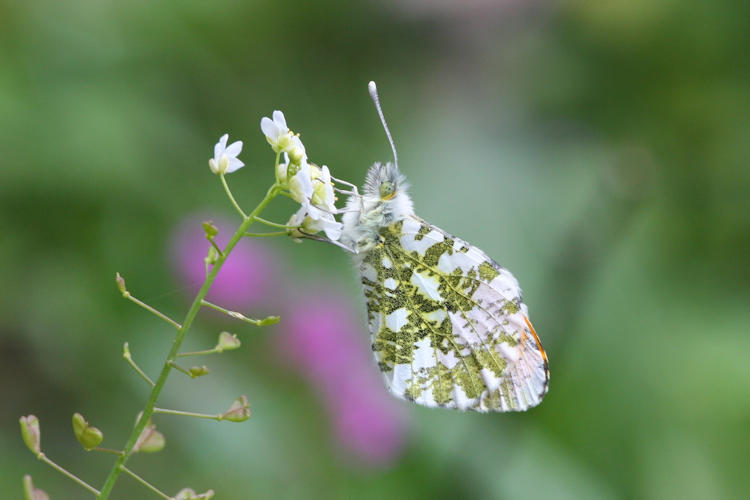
448	324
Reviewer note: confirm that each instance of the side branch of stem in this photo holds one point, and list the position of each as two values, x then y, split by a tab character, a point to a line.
148	408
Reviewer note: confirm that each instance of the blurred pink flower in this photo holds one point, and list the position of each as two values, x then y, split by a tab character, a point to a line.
245	278
323	342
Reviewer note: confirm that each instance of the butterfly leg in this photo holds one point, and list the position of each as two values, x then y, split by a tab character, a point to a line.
323	239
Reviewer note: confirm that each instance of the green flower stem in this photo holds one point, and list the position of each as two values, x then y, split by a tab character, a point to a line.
165	411
213	244
71	476
231	198
144	482
181	369
186	324
274	224
270	320
150	309
129	359
261	235
199	353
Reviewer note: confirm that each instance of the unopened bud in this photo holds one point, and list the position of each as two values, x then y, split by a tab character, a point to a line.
190	494
31	434
150	440
198	371
89	437
211	257
228	342
270	320
121	284
239	411
210	230
31	493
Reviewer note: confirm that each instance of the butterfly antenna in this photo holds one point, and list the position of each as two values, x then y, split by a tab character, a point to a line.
374	94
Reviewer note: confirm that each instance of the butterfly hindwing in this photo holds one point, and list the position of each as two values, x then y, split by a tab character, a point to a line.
448	324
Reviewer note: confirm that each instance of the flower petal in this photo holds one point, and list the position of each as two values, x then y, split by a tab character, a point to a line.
278	118
269	128
220	146
234	149
234	164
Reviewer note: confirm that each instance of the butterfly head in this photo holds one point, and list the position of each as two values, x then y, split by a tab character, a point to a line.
383	201
383	182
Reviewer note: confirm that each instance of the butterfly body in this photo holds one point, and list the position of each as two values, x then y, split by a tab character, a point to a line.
448	324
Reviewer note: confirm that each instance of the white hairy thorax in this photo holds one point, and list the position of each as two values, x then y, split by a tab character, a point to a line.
367	213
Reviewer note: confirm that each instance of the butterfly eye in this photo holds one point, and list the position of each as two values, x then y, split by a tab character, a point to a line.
387	190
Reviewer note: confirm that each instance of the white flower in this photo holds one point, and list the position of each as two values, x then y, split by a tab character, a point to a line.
296	150
282	171
325	222
276	132
323	195
225	159
301	186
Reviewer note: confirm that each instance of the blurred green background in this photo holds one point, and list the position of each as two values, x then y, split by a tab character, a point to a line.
597	149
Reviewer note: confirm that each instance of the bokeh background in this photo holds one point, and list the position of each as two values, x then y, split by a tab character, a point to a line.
597	149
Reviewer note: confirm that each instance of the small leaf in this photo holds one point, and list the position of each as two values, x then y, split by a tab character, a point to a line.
31	493
150	440
89	437
210	230
239	411
227	342
198	371
31	433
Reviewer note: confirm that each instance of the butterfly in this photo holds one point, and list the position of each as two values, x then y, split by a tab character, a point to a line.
448	324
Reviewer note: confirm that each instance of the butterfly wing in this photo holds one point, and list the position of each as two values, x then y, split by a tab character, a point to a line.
448	325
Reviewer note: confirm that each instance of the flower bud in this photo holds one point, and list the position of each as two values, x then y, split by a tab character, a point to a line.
198	371
239	411
31	493
269	320
228	342
211	257
190	494
89	437
210	230
121	284
150	440
296	150
31	434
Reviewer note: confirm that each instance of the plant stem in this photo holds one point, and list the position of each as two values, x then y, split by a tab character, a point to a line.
274	224
181	369
186	324
71	476
261	235
165	411
231	197
152	310
198	353
213	244
145	483
270	320
129	358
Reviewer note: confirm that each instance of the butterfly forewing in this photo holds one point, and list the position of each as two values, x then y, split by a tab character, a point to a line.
448	324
